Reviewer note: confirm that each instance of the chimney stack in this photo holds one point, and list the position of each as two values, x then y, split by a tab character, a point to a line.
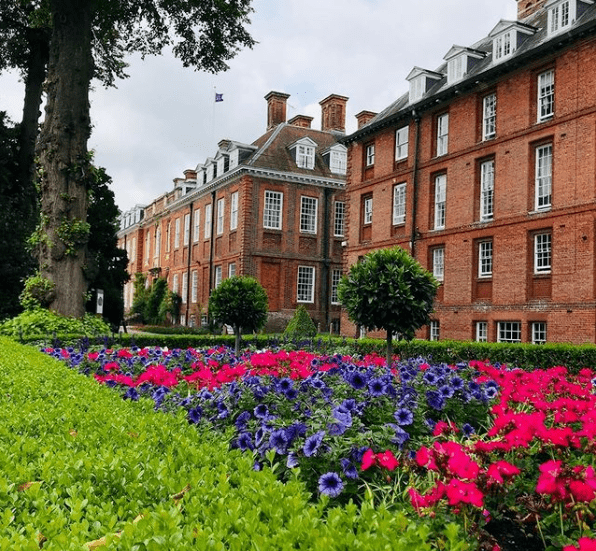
525	8
276	108
301	120
333	113
364	117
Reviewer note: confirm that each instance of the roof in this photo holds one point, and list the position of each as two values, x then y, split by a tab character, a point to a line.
536	41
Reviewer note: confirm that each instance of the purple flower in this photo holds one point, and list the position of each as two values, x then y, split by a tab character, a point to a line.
131	394
292	461
377	387
457	383
435	399
468	429
194	415
357	380
261	411
312	444
279	441
349	469
245	442
447	391
330	484
404	416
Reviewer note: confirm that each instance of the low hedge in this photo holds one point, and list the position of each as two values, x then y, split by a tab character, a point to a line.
80	468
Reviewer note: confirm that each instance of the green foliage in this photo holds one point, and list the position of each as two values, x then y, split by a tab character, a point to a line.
79	464
241	302
301	325
106	262
18	206
140	297
38	292
40	322
74	234
388	290
169	306
157	295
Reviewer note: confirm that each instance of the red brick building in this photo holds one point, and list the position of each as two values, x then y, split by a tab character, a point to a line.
273	209
485	171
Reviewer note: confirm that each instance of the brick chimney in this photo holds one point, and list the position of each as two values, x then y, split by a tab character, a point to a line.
364	117
301	120
190	174
525	8
333	113
276	108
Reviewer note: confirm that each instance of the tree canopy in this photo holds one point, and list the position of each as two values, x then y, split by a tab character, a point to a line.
388	289
90	39
241	302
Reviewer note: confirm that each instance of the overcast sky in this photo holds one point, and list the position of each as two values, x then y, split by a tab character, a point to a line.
163	119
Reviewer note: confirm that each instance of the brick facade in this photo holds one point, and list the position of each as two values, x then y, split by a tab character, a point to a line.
265	209
517	233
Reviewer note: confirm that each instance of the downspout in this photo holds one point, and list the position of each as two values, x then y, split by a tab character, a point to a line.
188	281
414	231
211	242
326	260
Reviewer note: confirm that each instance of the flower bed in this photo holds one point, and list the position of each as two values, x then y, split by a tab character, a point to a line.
482	442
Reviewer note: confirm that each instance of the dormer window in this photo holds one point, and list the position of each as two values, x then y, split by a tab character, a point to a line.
234	155
507	37
221	164
336	157
559	16
210	172
421	82
459	62
303	152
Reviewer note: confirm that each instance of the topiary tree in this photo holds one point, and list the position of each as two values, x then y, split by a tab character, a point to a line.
301	325
389	290
241	302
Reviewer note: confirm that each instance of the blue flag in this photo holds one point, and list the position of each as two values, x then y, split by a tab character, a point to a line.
218	97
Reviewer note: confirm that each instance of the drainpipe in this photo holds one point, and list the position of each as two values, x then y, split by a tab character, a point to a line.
414	231
326	260
188	281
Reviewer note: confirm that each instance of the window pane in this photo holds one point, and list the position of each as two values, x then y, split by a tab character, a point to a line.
489	120
485	259
543	184
439	263
308	215
401	143
338	229
399	204
542	252
306	283
272	210
509	331
487	187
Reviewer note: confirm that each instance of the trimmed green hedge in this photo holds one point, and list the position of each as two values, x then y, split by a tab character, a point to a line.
79	466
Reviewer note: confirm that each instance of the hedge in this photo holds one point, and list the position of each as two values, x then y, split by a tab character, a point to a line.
80	468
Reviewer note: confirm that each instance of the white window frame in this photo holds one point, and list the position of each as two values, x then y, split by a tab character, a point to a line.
455	68
487	190
539	332
175	284
232	269
503	45
481	331
157	244
196	225
308	214
148	246
543	253
221	205
305	156
335	279
194	286
440	201
509	331
442	134
177	233
485	259
184	286
218	276
401	143
435	330
272	211
338	162
544	177
439	263
339	220
234	211
399	204
546	95
561	16
489	117
368	210
370	154
305	289
208	219
186	229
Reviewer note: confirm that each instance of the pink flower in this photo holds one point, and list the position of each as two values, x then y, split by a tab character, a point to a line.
585	544
369	459
459	491
387	460
497	471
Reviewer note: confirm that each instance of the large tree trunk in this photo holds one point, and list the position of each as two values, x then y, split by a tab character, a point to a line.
38	41
64	156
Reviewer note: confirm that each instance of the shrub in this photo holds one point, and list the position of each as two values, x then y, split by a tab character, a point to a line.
301	326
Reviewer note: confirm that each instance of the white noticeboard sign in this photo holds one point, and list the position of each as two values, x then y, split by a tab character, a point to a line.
99	306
